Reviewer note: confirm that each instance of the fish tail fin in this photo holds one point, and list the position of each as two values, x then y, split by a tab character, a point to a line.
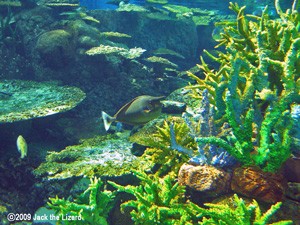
107	119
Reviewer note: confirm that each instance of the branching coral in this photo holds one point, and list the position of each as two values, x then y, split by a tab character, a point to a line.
92	206
256	85
242	214
158	200
162	151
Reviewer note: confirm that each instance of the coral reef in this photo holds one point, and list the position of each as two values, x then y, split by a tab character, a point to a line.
98	156
162	152
91	207
241	214
115	35
29	99
255	86
106	49
165	51
160	64
10	3
158	200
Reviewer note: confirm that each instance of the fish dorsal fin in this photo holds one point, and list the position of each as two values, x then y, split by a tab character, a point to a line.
126	106
158	98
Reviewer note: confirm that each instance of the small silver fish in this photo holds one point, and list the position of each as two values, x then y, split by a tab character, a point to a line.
22	146
138	111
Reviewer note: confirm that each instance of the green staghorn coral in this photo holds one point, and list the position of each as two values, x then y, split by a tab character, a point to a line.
161	151
255	86
91	207
158	200
221	214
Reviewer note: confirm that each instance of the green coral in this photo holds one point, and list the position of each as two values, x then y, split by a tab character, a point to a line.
107	49
91	207
161	152
10	3
165	51
160	64
255	86
241	214
158	200
157	1
113	35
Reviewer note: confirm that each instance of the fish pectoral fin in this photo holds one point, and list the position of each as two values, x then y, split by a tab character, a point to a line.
147	110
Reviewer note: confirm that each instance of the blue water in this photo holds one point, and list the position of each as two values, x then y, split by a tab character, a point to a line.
100	4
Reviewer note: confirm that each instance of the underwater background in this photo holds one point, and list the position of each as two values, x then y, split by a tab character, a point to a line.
149	112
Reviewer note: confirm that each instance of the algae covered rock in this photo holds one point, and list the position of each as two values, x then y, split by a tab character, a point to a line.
87	36
23	100
98	156
55	48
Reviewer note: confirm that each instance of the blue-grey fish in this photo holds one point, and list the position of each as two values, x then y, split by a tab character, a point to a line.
138	111
22	146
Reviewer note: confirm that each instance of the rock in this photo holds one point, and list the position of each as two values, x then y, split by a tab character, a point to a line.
255	183
289	210
137	149
55	48
291	169
86	36
293	191
173	107
213	181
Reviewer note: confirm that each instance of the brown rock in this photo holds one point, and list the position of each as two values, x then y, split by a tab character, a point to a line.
208	179
291	169
293	191
289	210
255	183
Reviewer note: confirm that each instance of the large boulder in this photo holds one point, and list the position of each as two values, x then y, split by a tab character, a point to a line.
55	48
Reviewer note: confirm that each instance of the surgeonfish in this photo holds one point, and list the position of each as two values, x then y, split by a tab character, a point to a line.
138	111
22	146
